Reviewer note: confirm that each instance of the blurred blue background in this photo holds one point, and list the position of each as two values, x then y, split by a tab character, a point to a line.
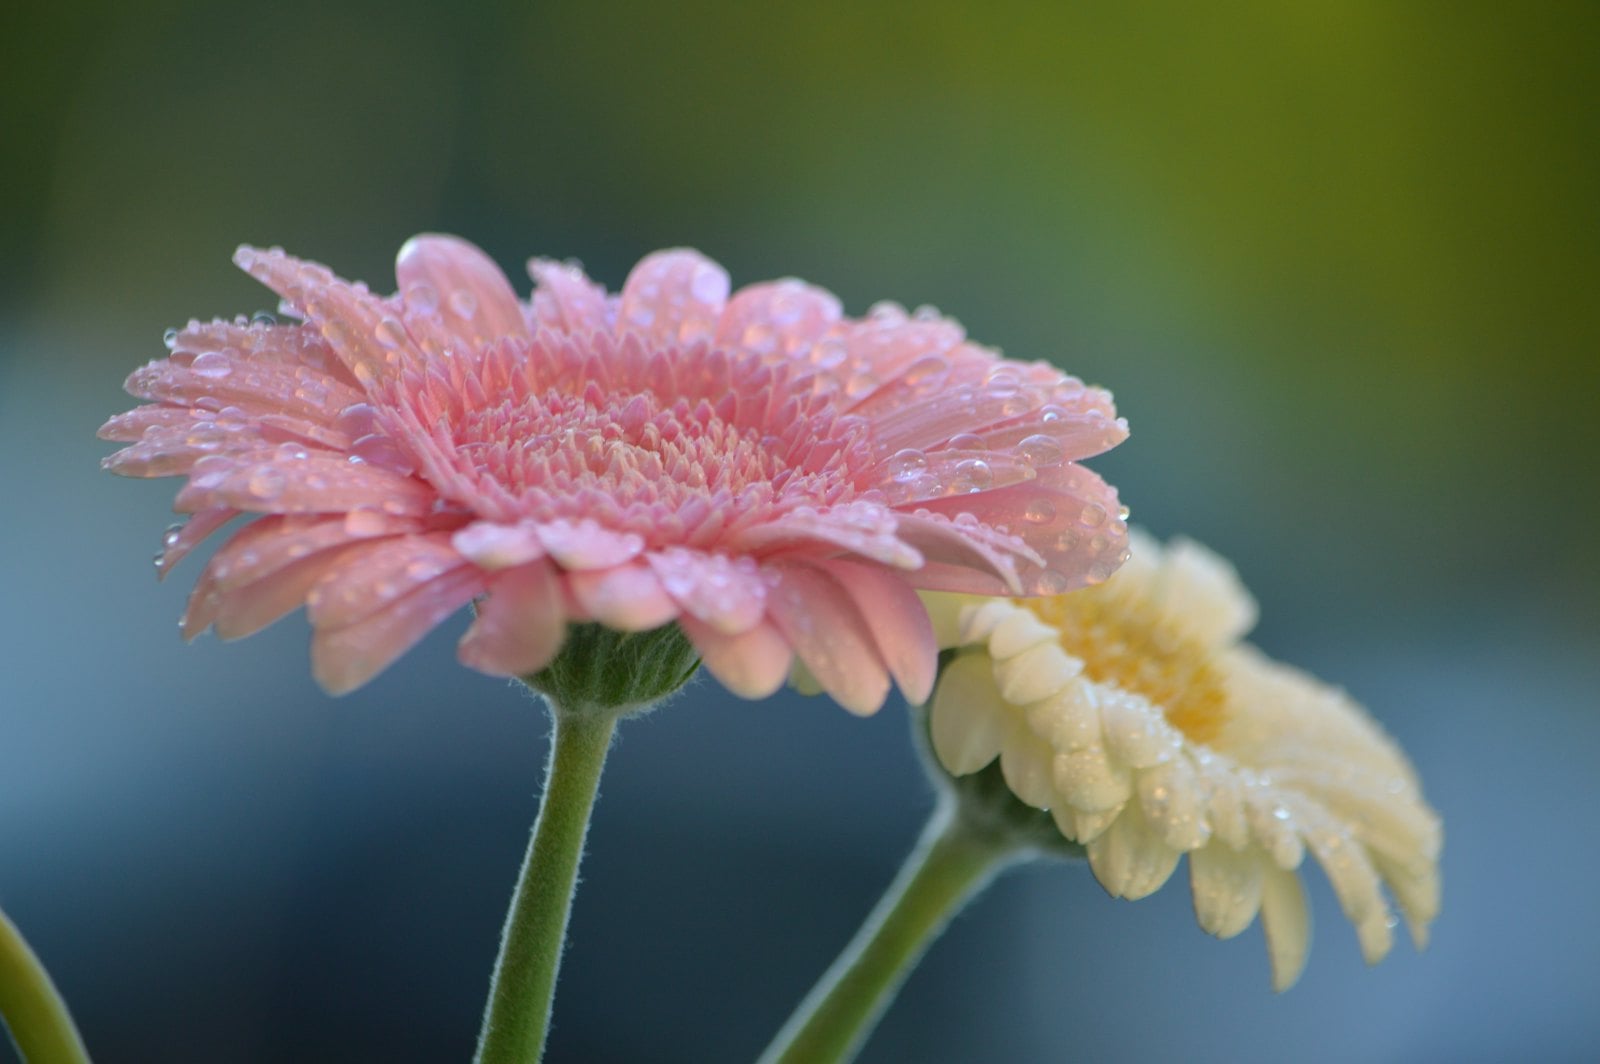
1337	261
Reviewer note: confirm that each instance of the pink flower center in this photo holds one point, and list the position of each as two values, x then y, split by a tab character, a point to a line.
679	445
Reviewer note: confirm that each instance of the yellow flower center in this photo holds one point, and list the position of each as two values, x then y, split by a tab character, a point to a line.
1127	643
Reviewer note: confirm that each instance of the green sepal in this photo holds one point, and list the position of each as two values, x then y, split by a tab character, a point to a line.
601	670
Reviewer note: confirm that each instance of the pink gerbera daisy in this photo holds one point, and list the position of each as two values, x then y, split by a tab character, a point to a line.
772	476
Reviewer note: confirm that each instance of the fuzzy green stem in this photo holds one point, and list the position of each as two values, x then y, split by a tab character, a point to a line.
950	864
517	1018
38	1019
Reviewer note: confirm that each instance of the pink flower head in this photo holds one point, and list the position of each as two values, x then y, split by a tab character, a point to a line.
774	477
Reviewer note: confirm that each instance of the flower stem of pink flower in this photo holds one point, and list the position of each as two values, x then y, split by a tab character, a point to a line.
951	863
33	1010
517	1017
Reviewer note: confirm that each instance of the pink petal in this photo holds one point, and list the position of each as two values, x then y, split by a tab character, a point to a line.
253	607
565	299
629	598
970	558
585	544
361	328
344	658
494	546
178	542
899	624
821	622
862	528
317	483
777	320
252	386
520	625
290	346
1071	519
374	575
728	594
674	296
454	295
753	664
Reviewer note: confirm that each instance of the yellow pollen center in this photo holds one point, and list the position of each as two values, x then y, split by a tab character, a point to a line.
1127	644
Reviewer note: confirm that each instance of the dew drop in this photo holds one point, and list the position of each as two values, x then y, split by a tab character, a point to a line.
708	285
1003	383
1039	512
1093	515
389	333
965	441
1052	582
1052	412
907	464
213	365
759	337
860	384
169	539
1040	450
463	303
971	474
170	337
422	299
927	370
828	354
267	483
262	318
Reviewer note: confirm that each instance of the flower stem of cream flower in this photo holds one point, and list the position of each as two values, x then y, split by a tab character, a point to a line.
38	1019
517	1018
951	863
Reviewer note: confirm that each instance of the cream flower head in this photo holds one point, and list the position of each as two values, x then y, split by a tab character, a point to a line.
1131	711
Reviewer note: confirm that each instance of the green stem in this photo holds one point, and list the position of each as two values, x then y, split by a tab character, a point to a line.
949	865
517	1018
38	1019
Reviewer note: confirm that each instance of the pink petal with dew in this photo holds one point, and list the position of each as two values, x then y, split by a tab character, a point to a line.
752	664
565	299
287	348
861	528
494	546
180	540
586	544
782	319
629	598
966	557
1069	523
898	621
316	483
248	609
675	297
454	296
360	327
520	625
376	574
829	635
727	594
251	386
272	543
344	658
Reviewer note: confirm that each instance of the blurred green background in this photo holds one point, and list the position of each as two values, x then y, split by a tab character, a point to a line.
1338	262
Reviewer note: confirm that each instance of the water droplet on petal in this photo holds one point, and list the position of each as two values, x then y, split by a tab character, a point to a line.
1040	450
965	441
463	303
907	465
1051	582
267	483
390	333
213	365
422	299
1094	515
1052	412
860	384
170	337
1039	511
971	474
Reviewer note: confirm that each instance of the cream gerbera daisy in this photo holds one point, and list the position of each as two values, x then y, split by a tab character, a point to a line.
1131	711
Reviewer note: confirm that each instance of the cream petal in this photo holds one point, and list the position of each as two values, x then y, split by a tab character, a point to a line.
965	720
1089	779
1226	885
1036	673
1169	795
1136	732
1128	859
1287	923
1026	762
1069	719
1018	630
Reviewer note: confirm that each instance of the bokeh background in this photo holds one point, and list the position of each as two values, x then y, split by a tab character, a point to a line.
1339	263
